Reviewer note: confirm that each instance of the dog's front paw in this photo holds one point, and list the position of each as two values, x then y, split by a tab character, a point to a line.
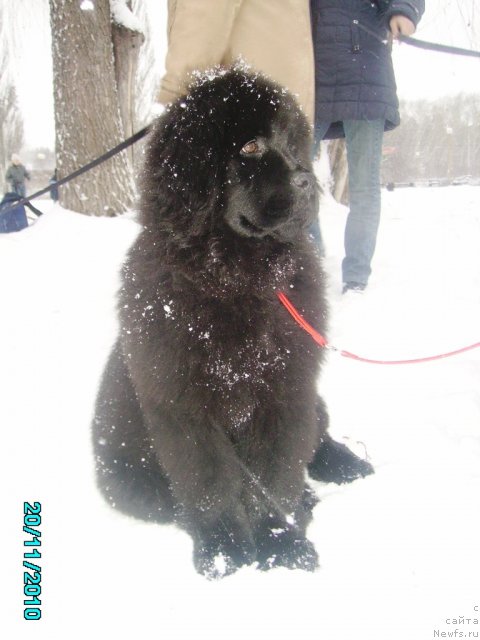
334	462
223	550
285	546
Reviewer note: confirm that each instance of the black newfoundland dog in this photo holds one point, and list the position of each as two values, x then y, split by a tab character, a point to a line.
208	413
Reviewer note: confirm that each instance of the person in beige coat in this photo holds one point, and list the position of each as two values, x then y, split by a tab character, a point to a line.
273	37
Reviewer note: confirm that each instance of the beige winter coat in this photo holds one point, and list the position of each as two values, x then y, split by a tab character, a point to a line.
273	36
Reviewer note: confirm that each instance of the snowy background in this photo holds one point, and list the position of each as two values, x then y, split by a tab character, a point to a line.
399	551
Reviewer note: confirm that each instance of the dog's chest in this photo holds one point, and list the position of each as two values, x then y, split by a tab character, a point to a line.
251	362
235	350
232	352
240	376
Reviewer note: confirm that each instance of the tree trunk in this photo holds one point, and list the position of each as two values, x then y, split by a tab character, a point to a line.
87	114
126	46
337	152
335	169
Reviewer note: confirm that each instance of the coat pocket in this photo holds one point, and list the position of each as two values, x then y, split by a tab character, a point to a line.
355	37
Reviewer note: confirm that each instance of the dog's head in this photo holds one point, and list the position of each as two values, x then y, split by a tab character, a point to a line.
234	154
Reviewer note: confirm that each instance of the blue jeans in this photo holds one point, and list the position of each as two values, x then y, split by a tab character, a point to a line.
19	188
364	140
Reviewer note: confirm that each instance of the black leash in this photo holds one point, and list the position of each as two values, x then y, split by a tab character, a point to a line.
442	48
14	202
78	172
33	209
421	44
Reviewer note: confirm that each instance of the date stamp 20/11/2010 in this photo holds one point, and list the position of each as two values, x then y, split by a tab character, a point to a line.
32	578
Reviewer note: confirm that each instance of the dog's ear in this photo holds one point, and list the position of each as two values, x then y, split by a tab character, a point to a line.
185	155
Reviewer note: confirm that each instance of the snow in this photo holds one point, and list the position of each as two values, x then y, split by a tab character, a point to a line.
124	16
399	550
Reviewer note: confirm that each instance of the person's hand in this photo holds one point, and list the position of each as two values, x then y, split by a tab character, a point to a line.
401	26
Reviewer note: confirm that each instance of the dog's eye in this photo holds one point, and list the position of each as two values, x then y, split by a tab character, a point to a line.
250	147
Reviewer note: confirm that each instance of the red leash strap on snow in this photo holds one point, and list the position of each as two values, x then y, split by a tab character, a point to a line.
319	339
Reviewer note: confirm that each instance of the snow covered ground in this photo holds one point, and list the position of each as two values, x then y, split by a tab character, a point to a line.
399	551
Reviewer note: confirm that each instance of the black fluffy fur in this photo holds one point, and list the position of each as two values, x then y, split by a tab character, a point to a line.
207	413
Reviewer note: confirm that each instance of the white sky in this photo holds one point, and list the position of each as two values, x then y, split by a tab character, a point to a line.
425	74
420	74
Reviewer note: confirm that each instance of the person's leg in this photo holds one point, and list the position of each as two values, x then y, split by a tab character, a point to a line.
364	153
321	129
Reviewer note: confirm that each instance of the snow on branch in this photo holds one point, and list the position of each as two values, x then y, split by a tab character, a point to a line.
123	16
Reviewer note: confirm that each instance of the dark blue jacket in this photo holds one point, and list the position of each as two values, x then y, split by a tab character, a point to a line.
354	77
14	219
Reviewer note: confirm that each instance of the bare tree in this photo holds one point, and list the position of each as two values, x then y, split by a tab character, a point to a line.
11	122
147	79
149	68
336	157
127	41
94	61
337	151
437	140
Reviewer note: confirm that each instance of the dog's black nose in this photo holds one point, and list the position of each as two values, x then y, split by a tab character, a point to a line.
303	180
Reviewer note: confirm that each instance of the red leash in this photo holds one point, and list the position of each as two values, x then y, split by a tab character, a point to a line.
319	339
